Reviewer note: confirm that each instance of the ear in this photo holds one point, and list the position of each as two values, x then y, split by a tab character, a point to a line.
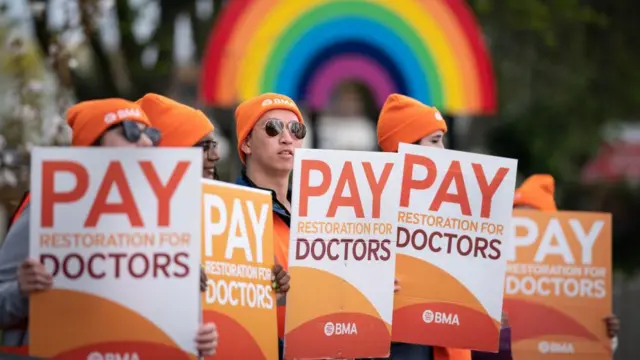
246	146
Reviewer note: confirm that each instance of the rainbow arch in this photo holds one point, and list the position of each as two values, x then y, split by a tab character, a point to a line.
431	50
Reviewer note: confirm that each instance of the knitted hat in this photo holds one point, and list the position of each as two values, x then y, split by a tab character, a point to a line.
90	119
406	120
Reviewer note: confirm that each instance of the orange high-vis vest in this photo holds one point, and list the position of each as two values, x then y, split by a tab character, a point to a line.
281	249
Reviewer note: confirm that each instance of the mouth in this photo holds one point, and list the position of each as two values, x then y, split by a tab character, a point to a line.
286	153
209	171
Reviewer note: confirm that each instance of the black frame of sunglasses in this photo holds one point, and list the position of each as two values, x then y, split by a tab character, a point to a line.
132	132
297	129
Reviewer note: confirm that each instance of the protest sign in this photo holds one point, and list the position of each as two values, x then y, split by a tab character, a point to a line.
342	256
453	222
237	250
558	285
119	230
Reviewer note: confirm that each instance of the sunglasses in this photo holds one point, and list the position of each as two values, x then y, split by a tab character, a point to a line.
275	127
132	132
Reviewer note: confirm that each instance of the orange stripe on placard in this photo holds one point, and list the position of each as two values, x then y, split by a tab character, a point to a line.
281	247
281	241
116	325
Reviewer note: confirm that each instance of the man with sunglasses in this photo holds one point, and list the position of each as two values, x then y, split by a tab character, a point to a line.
108	123
270	127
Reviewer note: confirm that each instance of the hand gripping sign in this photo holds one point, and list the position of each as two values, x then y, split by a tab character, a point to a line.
342	256
119	230
237	251
455	210
558	285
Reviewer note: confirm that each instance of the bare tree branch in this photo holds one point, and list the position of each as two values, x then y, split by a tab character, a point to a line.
102	62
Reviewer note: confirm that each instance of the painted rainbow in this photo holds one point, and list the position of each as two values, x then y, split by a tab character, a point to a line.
431	50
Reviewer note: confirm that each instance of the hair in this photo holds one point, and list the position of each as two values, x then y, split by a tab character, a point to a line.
98	141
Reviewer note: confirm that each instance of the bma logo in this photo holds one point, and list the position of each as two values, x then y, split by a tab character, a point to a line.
129	113
552	347
339	329
112	356
122	114
437	317
267	102
110	117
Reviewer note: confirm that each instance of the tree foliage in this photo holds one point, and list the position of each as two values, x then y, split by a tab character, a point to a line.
123	71
566	69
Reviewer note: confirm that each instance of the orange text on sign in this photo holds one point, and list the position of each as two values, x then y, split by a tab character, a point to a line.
114	177
453	176
346	178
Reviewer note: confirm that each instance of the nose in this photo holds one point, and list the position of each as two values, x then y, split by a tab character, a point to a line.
144	141
286	137
216	154
213	155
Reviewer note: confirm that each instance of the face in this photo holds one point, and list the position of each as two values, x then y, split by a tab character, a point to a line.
435	139
129	134
273	140
210	156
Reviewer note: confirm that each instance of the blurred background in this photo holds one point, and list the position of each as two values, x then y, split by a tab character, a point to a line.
566	77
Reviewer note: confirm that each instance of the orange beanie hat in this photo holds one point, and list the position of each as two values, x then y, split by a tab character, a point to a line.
90	119
180	125
250	111
406	120
537	191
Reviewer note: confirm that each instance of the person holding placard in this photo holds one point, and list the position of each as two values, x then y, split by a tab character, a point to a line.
406	120
269	128
183	126
537	193
107	123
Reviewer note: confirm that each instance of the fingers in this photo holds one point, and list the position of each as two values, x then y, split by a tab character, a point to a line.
203	279
613	325
284	286
278	272
30	263
207	339
33	276
280	278
396	286
276	268
505	319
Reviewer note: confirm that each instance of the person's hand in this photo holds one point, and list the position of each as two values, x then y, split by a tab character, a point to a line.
280	278
613	325
207	339
505	319
32	277
396	285
203	279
